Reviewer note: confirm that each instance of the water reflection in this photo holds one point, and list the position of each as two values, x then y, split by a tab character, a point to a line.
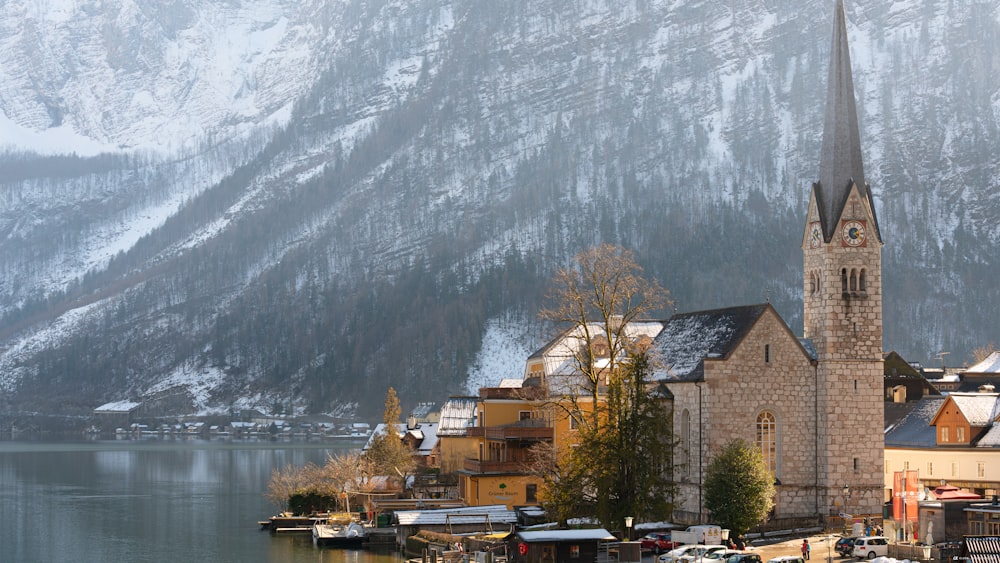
151	501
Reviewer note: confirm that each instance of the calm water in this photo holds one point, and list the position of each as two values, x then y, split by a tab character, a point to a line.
123	502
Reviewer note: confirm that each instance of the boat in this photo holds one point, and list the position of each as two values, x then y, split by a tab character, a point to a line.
338	531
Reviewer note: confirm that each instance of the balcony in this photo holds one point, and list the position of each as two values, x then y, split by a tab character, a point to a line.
475	431
477	466
512	393
528	433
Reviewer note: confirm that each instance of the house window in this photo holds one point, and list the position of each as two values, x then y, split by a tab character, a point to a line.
944	434
574	422
960	434
574	552
980	470
531	492
930	468
857	464
524	415
767	353
954	469
767	440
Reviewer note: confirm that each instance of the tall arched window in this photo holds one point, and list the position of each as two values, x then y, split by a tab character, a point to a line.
685	457
767	440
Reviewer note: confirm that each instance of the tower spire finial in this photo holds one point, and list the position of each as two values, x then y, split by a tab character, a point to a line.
840	157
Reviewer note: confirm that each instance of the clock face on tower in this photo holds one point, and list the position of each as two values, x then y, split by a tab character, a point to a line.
815	235
853	233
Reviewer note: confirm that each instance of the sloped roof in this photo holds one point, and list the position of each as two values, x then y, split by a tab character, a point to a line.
494	513
559	353
596	534
979	409
989	365
914	430
991	439
425	432
118	407
457	414
688	338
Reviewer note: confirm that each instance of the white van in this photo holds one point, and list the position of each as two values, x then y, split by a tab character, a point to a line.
871	547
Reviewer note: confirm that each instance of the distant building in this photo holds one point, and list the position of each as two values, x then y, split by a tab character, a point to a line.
117	414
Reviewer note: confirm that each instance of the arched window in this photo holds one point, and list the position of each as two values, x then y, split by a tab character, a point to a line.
843	280
685	457
862	281
767	440
854	280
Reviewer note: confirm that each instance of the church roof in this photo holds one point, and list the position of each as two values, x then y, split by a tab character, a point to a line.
688	338
841	163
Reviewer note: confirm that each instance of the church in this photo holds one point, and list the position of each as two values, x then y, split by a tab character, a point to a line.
812	404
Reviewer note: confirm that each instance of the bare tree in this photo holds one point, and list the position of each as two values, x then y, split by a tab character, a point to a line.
596	300
983	352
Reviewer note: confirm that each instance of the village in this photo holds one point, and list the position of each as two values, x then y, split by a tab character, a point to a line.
863	453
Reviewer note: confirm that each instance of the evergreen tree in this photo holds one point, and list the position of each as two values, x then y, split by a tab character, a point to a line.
388	455
739	489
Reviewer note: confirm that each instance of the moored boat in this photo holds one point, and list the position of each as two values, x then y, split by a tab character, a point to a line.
338	532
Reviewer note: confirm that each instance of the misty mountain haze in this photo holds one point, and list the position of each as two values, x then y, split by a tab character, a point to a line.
297	204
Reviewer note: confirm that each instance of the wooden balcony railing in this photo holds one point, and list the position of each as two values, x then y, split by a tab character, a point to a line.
477	466
519	433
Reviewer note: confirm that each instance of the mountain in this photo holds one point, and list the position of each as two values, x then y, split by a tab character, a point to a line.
294	205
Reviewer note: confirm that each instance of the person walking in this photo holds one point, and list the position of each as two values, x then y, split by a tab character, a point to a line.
806	548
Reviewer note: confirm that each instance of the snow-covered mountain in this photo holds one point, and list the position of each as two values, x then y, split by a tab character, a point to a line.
280	204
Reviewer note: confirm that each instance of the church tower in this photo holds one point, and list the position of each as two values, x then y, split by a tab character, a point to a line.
842	250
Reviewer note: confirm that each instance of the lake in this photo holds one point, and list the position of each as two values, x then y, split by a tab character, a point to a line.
152	500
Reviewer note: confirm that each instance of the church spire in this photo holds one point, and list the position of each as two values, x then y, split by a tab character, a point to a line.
840	157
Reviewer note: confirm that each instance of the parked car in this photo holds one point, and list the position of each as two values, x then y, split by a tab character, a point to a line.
743	557
687	553
718	555
845	546
788	559
871	547
657	542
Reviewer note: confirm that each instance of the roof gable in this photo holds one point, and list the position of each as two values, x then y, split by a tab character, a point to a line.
688	339
978	409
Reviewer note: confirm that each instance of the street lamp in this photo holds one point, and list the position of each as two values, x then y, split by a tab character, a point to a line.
902	494
628	528
847	494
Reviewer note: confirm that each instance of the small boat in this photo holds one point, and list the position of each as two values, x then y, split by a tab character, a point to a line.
338	534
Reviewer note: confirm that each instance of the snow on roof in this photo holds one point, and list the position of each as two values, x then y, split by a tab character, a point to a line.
457	414
989	365
594	534
510	382
991	439
118	406
687	339
979	409
426	432
559	353
914	430
494	514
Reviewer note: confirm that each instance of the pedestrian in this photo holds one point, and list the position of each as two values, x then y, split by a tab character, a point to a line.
806	548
